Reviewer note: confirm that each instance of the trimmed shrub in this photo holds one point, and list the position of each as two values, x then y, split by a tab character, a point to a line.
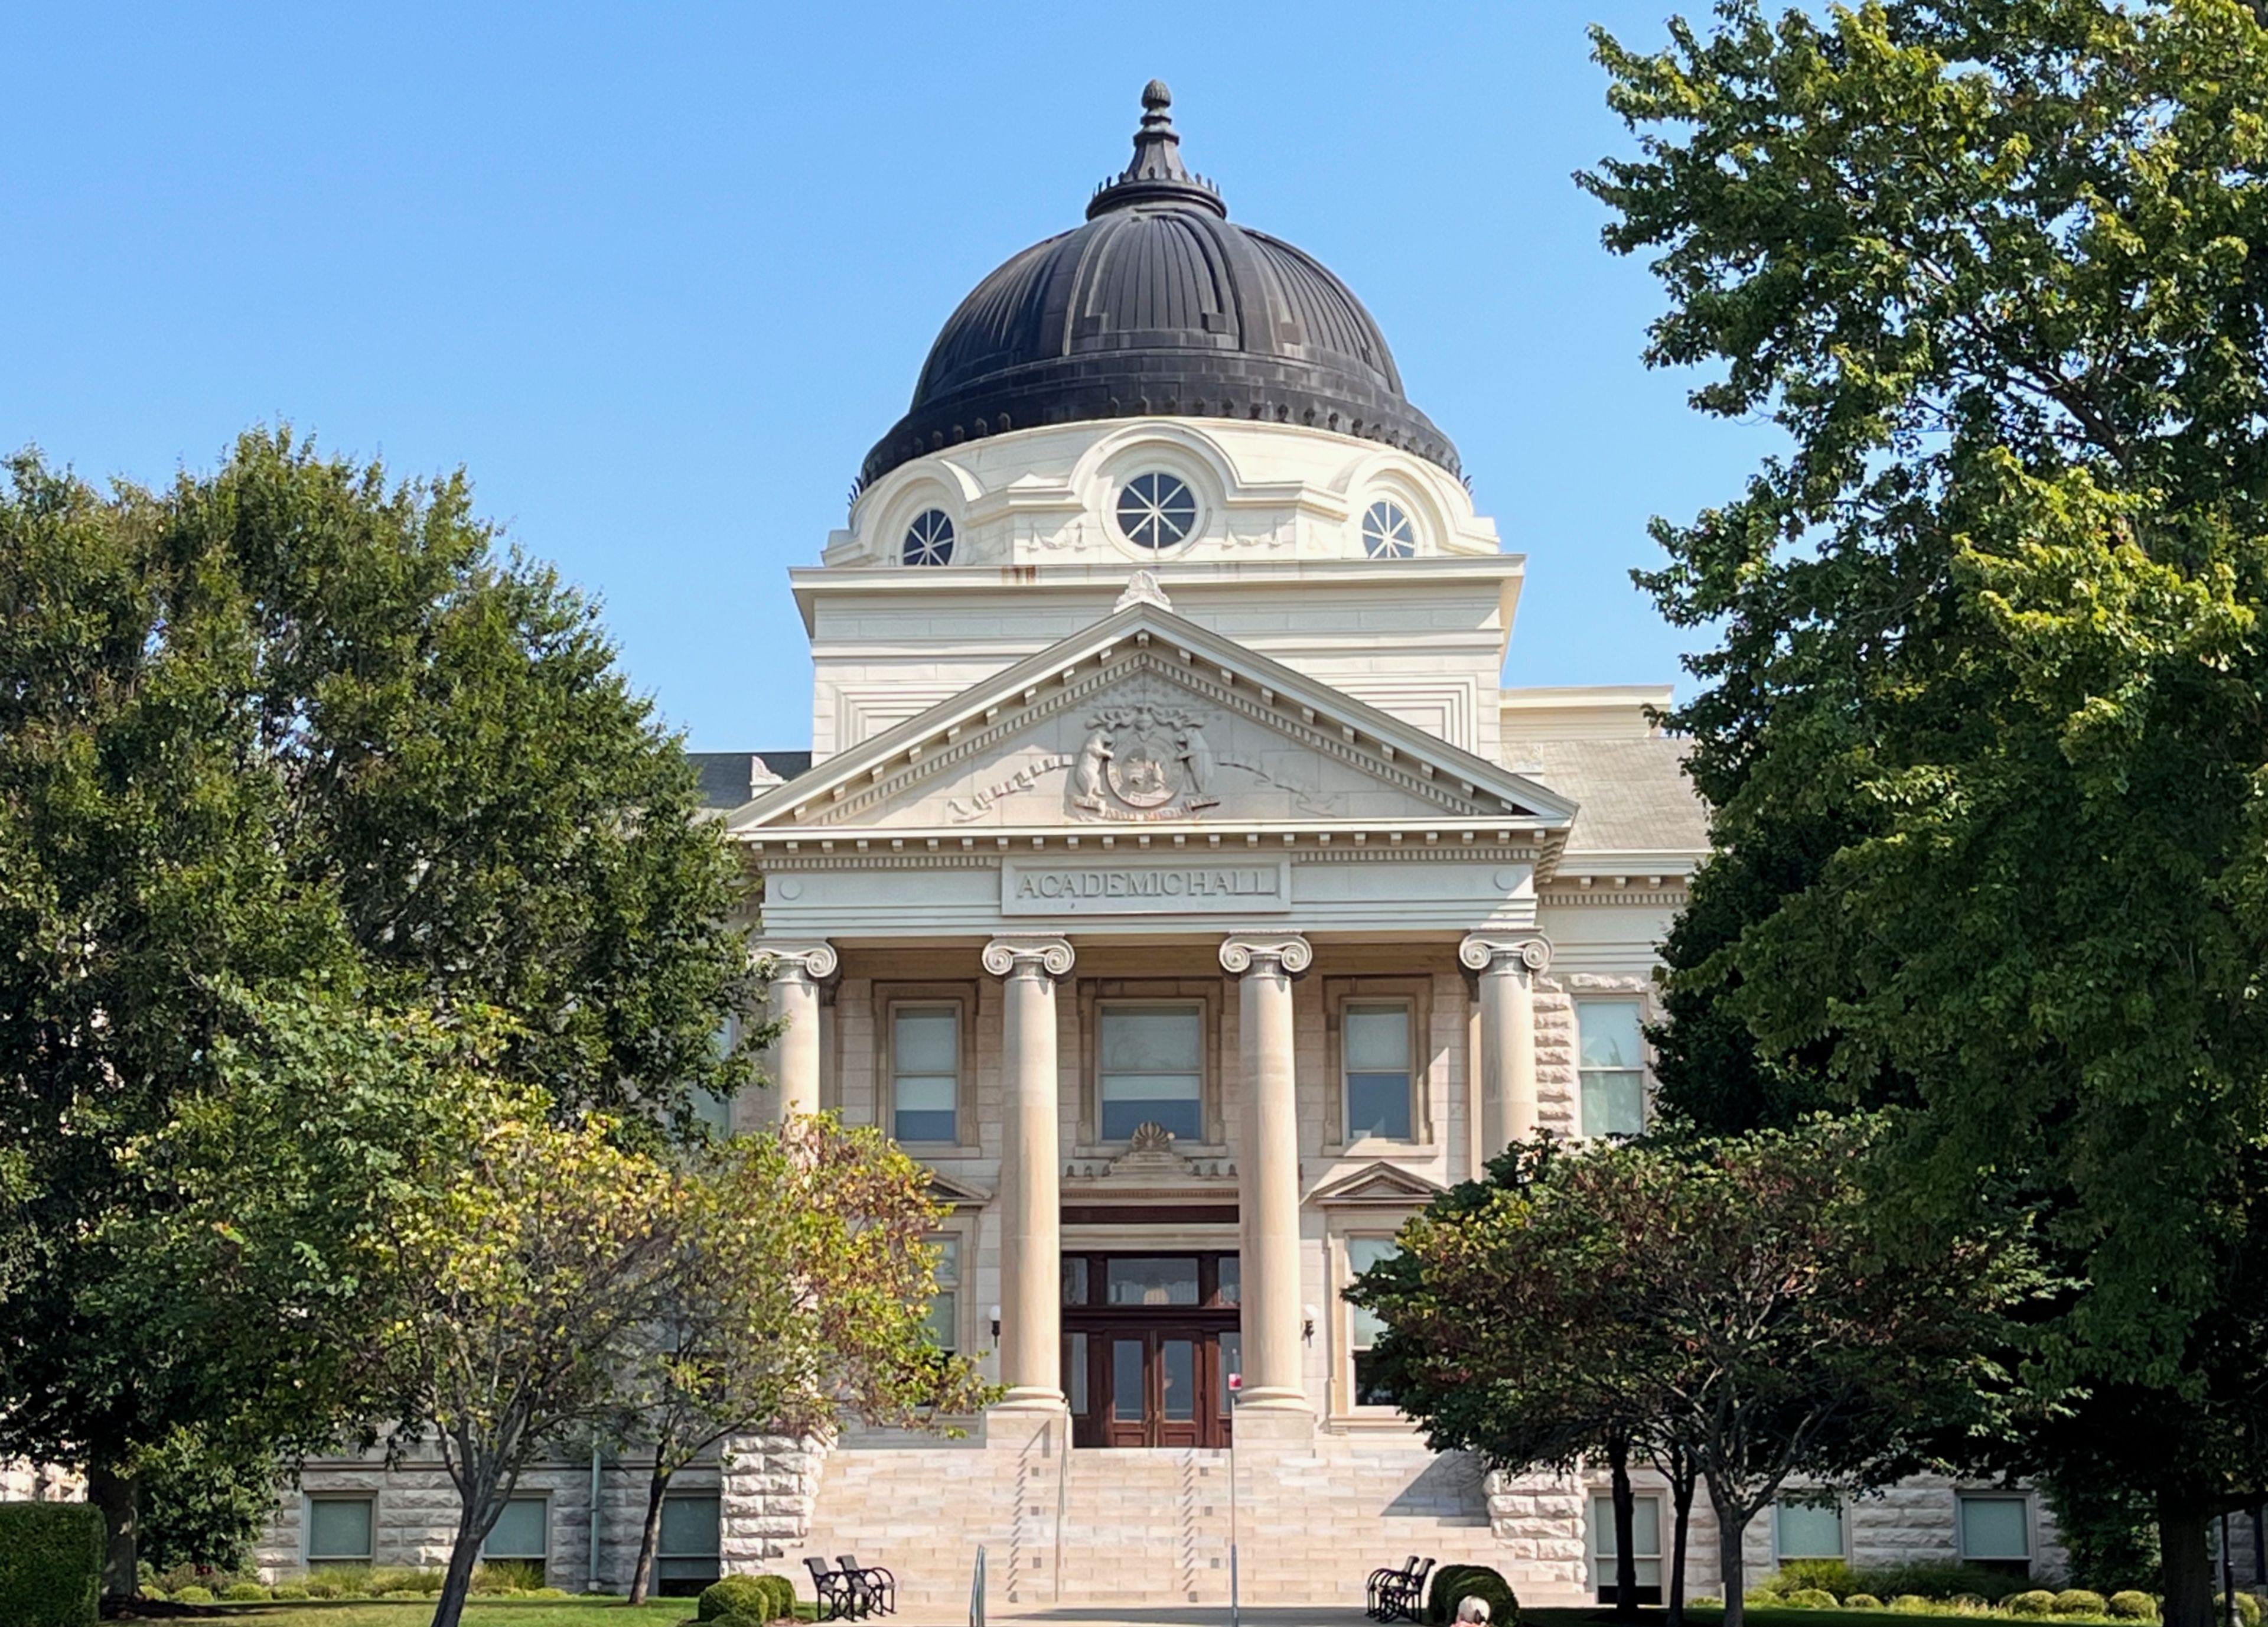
1452	1583
503	1576
2080	1601
1913	1604
2132	1605
403	1581
50	1564
782	1604
1811	1599
289	1592
1862	1601
1932	1579
244	1593
1828	1575
2248	1608
195	1594
2031	1601
734	1596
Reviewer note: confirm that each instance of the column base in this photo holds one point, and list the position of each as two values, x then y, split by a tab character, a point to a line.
1282	1425
1030	1398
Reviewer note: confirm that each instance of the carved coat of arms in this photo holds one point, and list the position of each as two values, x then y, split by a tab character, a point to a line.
1143	762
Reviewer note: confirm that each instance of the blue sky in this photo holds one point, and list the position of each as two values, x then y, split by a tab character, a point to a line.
657	276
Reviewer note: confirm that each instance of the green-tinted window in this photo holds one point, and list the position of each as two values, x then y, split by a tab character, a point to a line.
520	1532
339	1530
1995	1528
1809	1531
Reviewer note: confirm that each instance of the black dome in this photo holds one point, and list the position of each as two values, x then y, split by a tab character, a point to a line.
1158	305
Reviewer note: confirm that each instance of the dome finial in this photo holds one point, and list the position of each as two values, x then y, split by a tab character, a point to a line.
1156	173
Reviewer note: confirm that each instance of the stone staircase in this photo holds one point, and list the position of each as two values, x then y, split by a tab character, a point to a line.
1151	1527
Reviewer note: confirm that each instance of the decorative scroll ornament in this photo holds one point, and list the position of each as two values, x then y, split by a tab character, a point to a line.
1480	952
1290	955
1150	1151
1014	957
1142	589
814	961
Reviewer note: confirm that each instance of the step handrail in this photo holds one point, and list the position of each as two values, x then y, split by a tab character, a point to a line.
976	1591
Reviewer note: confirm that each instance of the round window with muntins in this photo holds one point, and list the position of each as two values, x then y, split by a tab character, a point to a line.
1386	533
1156	511
929	539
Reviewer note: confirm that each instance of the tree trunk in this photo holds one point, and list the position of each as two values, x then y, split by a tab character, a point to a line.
1681	1502
648	1539
118	1497
2188	1566
464	1556
1625	1519
1730	1564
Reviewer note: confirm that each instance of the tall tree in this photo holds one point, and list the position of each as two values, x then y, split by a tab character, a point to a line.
797	1296
1988	651
1733	1299
284	726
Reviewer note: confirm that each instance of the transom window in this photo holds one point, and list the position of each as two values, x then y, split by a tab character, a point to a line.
1612	1066
1156	510
1375	1048
1365	1327
943	1323
1151	1069
1386	533
1807	1530
339	1530
929	539
925	1072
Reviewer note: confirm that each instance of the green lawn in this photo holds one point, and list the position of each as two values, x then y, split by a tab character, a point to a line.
478	1613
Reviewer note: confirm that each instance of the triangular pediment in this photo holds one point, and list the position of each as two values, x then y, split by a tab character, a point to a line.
943	1188
1146	722
1381	1185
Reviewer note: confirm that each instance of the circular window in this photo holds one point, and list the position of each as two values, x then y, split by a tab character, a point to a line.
1156	511
1386	533
929	539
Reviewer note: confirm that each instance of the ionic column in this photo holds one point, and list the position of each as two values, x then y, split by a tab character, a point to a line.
1268	1161
1031	1214
1507	967
797	970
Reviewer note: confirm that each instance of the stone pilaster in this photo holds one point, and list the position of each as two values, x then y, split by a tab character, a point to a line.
796	971
1508	966
1031	1215
1268	1164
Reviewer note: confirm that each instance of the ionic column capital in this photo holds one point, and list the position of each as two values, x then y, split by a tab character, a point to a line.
1494	951
808	960
1013	958
1243	953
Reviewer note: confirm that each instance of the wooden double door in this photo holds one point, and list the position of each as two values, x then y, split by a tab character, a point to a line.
1152	1371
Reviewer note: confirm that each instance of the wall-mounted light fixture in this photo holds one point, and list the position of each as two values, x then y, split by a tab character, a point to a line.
996	1321
1307	1323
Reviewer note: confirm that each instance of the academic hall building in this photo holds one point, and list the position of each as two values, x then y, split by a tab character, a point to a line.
1172	874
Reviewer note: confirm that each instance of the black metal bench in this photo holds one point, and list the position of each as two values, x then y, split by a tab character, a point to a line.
873	1582
1399	1594
840	1596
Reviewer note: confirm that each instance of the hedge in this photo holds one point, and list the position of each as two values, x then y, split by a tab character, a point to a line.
50	1564
1452	1583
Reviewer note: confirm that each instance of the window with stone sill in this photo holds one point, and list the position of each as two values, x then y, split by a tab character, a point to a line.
1363	1326
1378	1056
522	1532
1807	1530
1611	1065
925	1072
1996	1530
689	1555
1646	1547
339	1529
1151	1052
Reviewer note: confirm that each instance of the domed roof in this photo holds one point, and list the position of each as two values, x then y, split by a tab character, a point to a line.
1158	305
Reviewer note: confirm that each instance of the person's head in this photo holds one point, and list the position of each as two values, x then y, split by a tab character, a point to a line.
1472	1607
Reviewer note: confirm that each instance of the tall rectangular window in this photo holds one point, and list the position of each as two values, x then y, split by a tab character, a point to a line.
1646	1543
688	1556
1375	1052
1612	1066
1150	1070
943	1323
1807	1531
1365	1327
339	1530
925	1072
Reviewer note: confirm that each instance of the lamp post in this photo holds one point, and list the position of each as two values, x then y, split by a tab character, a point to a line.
1235	1389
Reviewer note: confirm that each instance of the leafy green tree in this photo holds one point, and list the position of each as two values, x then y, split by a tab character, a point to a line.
1982	722
1733	1299
283	729
797	1295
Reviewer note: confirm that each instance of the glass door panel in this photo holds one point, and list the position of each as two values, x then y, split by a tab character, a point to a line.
1129	1392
